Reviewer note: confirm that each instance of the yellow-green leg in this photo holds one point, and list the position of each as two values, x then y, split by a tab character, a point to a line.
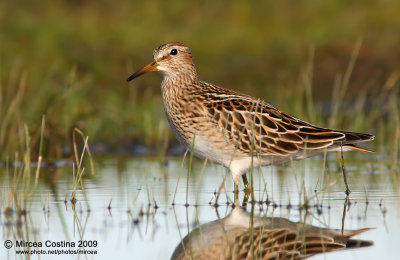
245	200
236	192
246	185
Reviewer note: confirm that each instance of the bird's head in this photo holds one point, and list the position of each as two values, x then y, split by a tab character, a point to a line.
172	60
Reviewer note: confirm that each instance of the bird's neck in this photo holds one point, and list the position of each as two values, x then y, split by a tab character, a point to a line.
176	85
175	93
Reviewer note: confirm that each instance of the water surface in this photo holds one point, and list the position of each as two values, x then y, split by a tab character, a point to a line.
142	207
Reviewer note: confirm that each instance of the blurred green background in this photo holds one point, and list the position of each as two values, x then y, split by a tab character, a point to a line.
68	60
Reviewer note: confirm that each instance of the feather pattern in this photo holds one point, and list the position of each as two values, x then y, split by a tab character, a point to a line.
254	126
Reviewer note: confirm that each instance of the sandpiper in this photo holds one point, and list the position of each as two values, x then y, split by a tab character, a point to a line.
233	129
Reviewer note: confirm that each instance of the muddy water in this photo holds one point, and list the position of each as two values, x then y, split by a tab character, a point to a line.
142	208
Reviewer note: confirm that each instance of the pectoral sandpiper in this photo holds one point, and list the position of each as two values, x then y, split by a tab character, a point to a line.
233	129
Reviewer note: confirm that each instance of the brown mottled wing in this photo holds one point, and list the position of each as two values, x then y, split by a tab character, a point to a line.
253	125
281	244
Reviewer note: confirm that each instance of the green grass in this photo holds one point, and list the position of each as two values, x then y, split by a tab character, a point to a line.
78	165
22	178
68	61
26	186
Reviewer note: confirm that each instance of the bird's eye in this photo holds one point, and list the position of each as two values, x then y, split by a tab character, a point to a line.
174	52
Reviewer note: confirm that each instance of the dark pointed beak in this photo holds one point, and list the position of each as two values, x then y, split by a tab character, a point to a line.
152	66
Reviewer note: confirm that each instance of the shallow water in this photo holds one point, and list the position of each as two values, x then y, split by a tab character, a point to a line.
142	208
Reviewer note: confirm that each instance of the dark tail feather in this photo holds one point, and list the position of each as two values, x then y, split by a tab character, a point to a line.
356	243
352	137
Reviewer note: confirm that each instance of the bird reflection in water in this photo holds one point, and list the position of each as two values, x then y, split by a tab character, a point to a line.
241	235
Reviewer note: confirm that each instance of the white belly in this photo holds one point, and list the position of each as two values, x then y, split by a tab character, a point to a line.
203	148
